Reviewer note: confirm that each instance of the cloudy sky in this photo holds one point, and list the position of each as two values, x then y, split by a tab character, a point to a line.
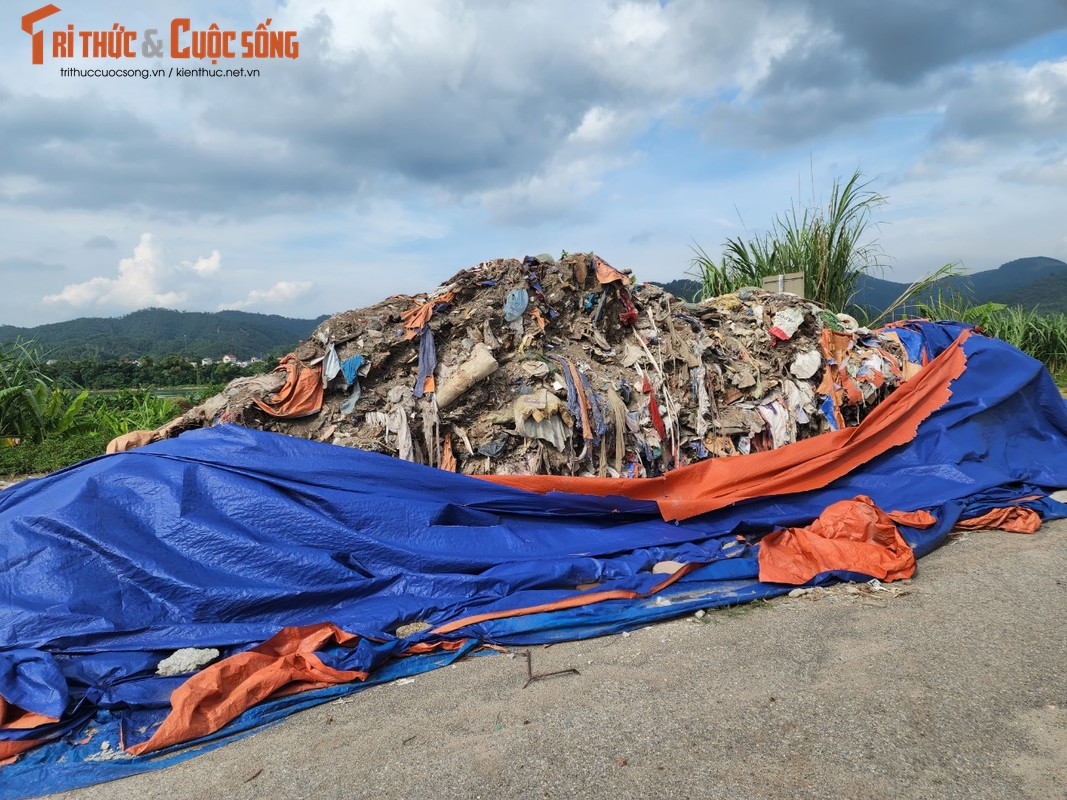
411	139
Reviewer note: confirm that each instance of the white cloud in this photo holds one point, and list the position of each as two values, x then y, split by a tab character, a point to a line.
145	279
638	24
554	193
1011	103
951	153
279	293
139	283
386	221
449	131
209	265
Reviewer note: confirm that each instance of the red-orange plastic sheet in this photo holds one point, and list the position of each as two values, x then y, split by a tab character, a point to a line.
849	536
1014	519
809	464
301	395
11	750
284	663
418	317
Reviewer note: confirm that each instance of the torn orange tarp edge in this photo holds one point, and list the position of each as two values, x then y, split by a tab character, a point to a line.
836	382
14	718
1014	519
285	663
12	749
808	464
415	319
850	535
907	368
302	393
605	273
421	648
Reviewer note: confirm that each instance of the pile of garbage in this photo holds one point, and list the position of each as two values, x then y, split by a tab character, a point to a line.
568	367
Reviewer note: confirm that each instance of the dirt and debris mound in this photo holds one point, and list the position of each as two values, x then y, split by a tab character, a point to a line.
569	366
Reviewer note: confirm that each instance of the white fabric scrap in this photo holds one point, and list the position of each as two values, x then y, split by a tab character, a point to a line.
698	377
331	364
777	419
800	399
403	435
788	320
188	659
805	365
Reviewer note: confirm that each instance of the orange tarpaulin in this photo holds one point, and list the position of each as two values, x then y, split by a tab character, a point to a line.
302	393
214	696
575	601
1014	519
415	319
851	535
808	464
605	273
11	750
14	718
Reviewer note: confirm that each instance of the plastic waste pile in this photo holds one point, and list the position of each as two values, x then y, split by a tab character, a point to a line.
569	366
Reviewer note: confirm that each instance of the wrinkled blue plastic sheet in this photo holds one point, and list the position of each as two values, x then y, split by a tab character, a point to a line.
223	536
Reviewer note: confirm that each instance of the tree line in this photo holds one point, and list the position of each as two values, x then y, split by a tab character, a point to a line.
147	372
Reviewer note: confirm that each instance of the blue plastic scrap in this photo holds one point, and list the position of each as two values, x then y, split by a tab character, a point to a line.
515	304
351	368
427	359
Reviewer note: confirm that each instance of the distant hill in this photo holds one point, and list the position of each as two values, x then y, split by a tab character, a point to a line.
162	332
683	288
1047	295
1035	281
1038	281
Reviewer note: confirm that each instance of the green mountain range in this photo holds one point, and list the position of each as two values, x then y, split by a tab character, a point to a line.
160	332
1036	282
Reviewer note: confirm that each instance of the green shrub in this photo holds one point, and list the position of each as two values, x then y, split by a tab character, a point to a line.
51	454
32	407
125	411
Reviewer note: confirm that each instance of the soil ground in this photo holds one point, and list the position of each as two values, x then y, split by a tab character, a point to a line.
956	689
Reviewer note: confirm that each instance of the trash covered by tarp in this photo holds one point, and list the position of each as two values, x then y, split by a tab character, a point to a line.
317	570
568	367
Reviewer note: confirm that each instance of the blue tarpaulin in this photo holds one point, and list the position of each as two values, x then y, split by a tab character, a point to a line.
223	536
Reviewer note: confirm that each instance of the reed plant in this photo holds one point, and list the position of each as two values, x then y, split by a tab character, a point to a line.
831	245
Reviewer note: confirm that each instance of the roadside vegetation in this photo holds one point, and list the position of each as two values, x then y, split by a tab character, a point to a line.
45	425
831	245
1043	336
148	372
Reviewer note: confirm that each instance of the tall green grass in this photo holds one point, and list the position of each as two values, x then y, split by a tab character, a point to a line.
1043	336
99	420
832	246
